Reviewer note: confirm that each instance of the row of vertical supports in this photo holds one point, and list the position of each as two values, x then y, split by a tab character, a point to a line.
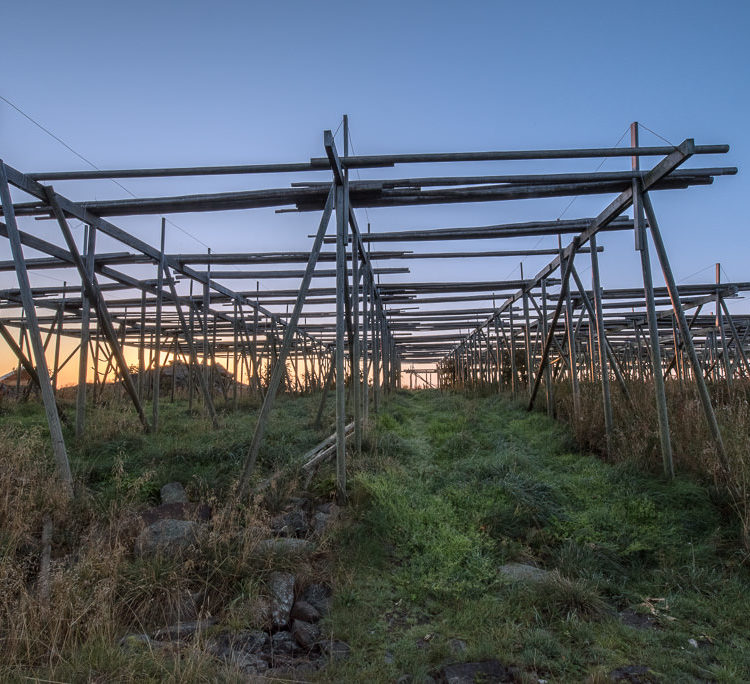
466	362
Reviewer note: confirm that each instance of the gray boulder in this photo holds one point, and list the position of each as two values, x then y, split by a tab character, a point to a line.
318	596
523	573
173	492
283	643
305	634
281	585
468	673
244	649
285	546
167	537
292	524
335	650
183	630
306	612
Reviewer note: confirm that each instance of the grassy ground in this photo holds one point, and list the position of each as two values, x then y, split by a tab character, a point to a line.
448	489
99	590
455	487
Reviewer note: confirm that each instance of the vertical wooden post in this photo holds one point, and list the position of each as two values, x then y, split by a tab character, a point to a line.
191	365
365	356
653	333
600	338
157	333
341	234
572	356
58	335
687	338
141	345
90	247
235	351
547	370
35	338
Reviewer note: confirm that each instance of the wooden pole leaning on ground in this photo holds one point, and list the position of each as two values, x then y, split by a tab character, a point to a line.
280	365
27	299
687	337
553	324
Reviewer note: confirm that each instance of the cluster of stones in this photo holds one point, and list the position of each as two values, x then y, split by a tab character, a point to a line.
294	642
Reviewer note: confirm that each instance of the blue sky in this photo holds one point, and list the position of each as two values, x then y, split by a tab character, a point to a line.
183	83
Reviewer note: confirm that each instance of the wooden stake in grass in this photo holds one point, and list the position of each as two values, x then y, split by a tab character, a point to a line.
44	563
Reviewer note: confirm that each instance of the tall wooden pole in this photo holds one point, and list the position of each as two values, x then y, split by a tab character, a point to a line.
157	334
600	338
687	338
35	338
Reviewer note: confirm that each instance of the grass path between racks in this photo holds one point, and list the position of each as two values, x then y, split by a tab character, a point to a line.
454	487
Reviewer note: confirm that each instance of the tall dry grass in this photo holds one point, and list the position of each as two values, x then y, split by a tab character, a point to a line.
636	434
98	590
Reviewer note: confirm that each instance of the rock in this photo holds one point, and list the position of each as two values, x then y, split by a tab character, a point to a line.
329	508
281	585
183	630
242	649
173	492
335	650
523	573
457	645
249	663
636	674
296	502
323	517
318	596
290	669
187	607
137	642
637	620
245	641
292	524
405	679
176	511
286	546
302	610
166	536
283	643
305	634
320	523
467	673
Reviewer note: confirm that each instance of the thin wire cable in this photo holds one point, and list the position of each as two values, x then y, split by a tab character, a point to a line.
359	177
661	137
682	280
89	162
598	168
570	204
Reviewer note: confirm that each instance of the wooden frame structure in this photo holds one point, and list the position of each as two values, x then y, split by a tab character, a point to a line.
359	335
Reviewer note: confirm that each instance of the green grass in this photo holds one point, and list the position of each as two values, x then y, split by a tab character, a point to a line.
116	459
453	487
448	489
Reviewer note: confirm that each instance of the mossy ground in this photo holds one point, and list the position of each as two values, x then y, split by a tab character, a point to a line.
456	486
